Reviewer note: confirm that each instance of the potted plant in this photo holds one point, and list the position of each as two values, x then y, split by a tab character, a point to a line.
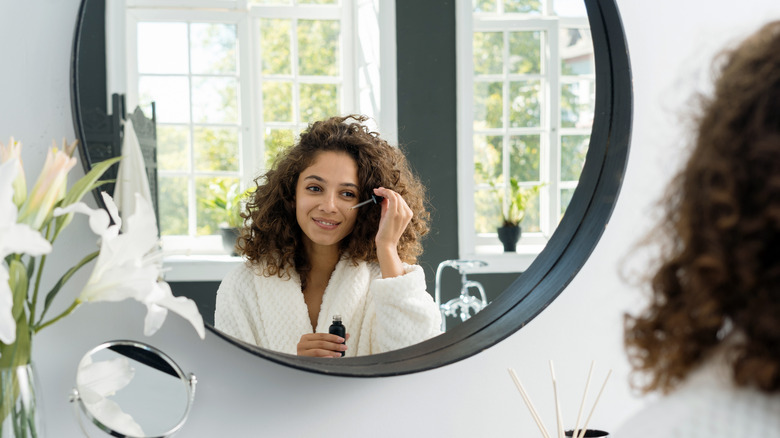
228	201
513	211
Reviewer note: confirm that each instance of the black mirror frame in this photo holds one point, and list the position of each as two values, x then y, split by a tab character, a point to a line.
570	246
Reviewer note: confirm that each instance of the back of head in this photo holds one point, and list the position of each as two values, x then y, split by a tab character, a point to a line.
719	278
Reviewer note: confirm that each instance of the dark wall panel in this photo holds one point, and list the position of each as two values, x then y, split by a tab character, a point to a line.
427	129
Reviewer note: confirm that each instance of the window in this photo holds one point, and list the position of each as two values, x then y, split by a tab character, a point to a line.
527	93
235	81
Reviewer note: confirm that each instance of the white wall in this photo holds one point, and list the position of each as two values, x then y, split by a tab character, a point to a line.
241	395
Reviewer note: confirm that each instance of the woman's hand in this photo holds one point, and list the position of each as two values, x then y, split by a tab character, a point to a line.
321	345
396	216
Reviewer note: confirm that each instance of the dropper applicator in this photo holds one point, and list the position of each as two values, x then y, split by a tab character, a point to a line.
374	198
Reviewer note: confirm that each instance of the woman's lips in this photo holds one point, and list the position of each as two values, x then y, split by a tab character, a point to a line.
326	224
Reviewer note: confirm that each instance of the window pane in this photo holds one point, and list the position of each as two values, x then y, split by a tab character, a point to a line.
523	6
277	101
577	104
487	158
318	2
318	102
488	105
275	42
162	48
525	109
216	149
576	47
318	47
270	2
532	219
172	200
209	191
170	94
173	147
485	6
573	151
524	157
566	195
275	141
213	48
215	100
569	8
525	52
488	53
487	211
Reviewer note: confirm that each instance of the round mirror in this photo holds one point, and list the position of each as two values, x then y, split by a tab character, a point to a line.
131	389
567	249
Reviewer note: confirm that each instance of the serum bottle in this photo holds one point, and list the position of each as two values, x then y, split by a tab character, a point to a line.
338	329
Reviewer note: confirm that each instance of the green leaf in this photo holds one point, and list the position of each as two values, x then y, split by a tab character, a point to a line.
64	279
17	353
18	281
31	267
86	182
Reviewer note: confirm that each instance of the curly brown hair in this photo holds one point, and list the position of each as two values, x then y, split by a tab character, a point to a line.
271	237
719	274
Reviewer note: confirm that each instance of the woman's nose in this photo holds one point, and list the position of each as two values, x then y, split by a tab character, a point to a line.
328	203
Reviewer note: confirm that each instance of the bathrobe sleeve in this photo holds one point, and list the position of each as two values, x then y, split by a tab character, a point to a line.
234	313
399	313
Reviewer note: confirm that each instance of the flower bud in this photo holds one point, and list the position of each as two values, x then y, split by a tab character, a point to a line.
50	187
14	150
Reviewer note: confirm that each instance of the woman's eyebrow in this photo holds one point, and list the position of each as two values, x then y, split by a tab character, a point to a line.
322	180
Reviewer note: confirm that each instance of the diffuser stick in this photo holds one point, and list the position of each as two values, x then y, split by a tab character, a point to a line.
582	404
557	402
528	403
585	426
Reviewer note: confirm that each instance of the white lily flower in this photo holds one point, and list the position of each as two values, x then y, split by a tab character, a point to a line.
14	239
129	265
98	380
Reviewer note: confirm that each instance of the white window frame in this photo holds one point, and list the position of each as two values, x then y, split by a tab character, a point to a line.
368	72
247	158
486	247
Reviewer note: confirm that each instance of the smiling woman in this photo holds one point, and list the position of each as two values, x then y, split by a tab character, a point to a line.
427	124
311	256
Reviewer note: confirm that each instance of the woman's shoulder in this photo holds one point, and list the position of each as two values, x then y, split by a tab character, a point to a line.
708	404
246	275
240	276
242	270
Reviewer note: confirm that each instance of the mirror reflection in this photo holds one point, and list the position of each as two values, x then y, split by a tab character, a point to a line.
333	232
128	388
221	113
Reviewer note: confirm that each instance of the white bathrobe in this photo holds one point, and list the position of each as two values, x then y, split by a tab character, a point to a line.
707	404
379	314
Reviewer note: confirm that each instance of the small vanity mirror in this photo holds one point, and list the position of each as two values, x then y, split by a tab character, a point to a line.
131	389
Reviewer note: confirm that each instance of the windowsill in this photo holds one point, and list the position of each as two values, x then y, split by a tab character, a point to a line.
214	267
499	261
211	267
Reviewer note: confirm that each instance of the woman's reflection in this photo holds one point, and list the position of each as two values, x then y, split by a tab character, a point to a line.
311	255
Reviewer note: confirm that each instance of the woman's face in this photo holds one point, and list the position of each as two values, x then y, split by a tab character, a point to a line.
323	196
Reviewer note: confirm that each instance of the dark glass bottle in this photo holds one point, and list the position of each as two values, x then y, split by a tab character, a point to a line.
338	329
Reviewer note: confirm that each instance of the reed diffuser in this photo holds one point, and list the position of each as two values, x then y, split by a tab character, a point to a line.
577	432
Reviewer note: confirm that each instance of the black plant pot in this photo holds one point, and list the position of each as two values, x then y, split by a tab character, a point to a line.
509	235
229	236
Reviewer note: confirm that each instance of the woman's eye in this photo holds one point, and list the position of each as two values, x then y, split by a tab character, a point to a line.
313	189
349	195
